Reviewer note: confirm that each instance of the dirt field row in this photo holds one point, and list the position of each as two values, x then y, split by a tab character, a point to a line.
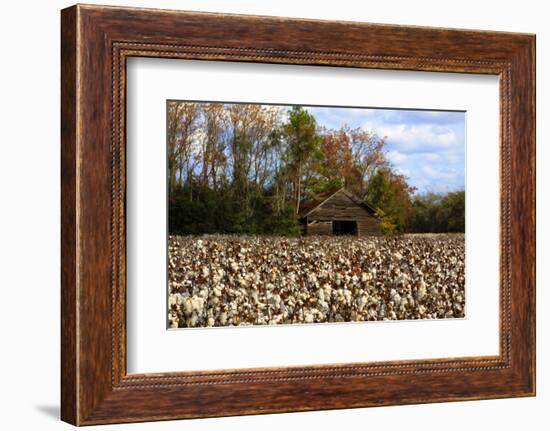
243	280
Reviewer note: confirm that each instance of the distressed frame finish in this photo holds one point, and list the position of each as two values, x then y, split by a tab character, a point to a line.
95	42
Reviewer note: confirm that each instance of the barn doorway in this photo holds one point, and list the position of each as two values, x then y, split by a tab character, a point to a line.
344	227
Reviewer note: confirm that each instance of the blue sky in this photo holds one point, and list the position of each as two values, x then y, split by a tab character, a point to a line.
428	147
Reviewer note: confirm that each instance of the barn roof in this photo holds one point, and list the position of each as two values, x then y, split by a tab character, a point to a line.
310	205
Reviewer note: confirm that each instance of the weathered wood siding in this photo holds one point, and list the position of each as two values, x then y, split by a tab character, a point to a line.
368	226
342	207
319	228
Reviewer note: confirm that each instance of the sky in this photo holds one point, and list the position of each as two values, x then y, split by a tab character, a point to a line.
428	147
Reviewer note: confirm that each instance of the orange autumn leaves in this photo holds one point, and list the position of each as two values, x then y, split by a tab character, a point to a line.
351	156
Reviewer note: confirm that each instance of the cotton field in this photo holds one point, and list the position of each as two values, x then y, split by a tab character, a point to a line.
224	280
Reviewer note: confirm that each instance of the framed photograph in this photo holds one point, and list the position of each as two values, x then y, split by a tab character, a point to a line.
264	214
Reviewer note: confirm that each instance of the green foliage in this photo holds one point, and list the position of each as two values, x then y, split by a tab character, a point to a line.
286	223
390	194
303	149
387	223
439	213
203	211
301	134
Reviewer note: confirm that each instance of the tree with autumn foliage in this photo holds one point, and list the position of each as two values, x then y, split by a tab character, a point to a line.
392	196
351	156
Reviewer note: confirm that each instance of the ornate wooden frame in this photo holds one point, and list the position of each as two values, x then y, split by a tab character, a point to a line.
95	43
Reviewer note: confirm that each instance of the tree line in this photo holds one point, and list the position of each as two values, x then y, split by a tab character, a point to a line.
247	168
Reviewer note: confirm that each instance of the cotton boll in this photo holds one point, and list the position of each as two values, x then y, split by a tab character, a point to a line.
347	296
173	320
223	318
197	303
192	320
396	298
421	291
188	305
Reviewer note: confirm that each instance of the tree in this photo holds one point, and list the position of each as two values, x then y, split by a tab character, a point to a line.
350	158
251	127
439	213
338	165
426	208
182	125
369	156
391	195
300	132
213	143
454	207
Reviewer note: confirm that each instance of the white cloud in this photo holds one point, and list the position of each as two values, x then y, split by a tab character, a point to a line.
432	157
411	138
396	157
438	173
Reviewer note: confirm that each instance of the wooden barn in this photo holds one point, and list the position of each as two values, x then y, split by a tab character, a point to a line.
339	213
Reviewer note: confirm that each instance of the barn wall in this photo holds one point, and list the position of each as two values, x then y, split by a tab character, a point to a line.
320	228
341	207
370	226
